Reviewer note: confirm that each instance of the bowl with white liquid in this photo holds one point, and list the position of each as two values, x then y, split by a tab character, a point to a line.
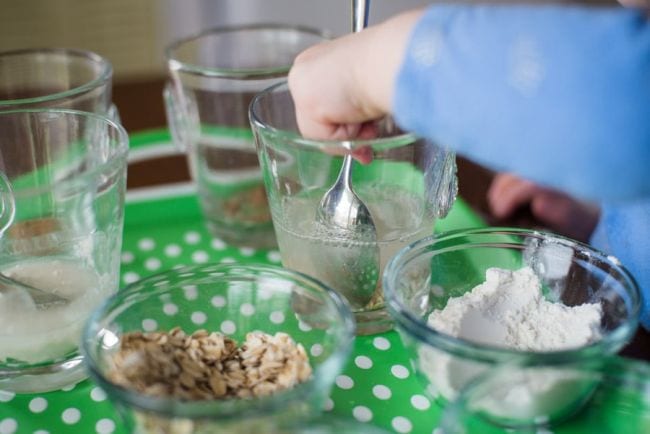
406	182
466	301
66	174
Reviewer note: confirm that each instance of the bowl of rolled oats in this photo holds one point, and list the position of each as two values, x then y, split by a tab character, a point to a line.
219	348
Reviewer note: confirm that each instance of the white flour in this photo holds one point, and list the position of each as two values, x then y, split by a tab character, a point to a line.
508	310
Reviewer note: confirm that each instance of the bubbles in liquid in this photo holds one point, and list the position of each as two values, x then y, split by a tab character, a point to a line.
399	219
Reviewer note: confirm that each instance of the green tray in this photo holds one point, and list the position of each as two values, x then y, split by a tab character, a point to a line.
163	228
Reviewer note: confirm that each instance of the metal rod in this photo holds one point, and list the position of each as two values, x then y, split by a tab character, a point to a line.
360	12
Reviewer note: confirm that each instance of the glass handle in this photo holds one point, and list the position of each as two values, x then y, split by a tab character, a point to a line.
7	204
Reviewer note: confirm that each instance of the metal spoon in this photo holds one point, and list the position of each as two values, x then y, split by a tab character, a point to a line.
355	266
42	299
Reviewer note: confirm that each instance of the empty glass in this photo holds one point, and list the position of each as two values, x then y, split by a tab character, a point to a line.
214	76
63	203
55	77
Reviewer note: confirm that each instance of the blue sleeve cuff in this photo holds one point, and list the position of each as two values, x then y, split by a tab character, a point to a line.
624	231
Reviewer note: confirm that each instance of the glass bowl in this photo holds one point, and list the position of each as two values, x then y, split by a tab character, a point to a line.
616	392
235	300
425	275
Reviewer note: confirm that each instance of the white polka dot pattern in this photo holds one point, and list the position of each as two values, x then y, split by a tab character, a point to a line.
402	424
199	318
363	362
8	426
97	394
316	350
146	244
152	264
218	244
105	426
127	257
362	413
200	257
170	309
381	343
381	392
218	301
247	309
399	371
344	382
192	237
228	327
277	317
420	402
71	416
149	325
37	405
173	250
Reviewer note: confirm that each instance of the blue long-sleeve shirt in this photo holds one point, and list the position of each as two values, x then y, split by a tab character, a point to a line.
557	94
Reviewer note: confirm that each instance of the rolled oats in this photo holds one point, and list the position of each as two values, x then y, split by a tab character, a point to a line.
207	365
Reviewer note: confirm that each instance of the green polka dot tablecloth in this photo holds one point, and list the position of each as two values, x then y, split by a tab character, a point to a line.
163	229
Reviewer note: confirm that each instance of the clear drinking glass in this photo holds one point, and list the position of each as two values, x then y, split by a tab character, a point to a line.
56	77
409	184
214	76
63	202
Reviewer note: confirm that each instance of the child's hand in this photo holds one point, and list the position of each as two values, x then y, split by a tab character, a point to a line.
558	211
339	85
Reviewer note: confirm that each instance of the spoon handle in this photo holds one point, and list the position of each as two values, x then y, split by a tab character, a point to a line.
360	12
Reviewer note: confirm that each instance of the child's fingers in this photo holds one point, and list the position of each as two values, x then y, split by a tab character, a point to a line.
508	192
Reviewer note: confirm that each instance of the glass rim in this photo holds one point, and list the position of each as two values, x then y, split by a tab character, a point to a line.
226	408
376	143
236	73
421	331
104	76
121	150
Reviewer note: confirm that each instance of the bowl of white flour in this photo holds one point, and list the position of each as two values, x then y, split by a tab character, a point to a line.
467	301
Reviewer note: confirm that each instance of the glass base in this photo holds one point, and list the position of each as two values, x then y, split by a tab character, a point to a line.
260	237
43	378
370	322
